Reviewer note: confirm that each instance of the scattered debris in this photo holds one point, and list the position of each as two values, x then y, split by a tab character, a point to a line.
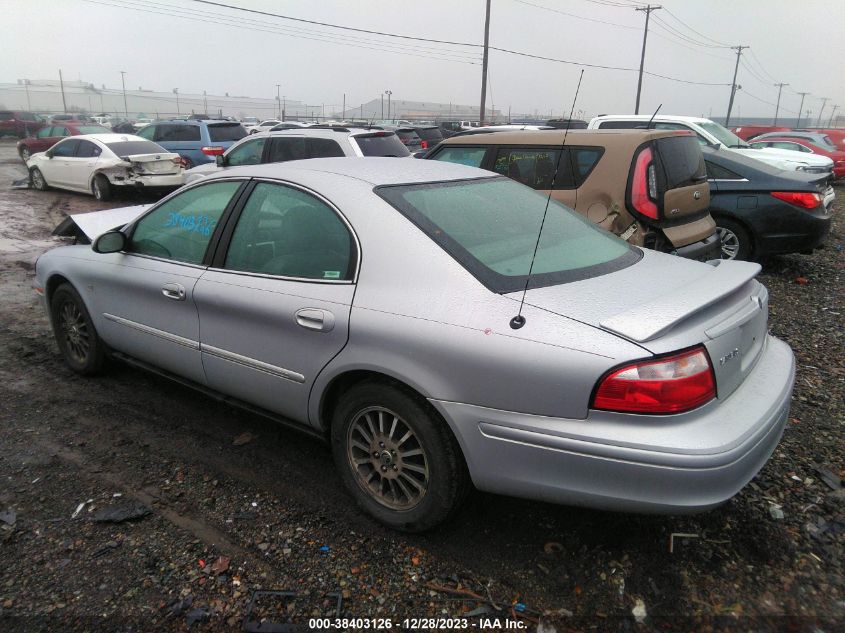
80	507
775	511
802	281
111	545
21	183
195	616
221	565
829	477
325	549
675	535
639	611
244	438
119	514
552	547
8	517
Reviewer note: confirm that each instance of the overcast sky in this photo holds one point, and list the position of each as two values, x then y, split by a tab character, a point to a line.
801	42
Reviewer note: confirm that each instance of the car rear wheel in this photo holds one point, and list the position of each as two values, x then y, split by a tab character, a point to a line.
25	153
78	341
37	179
734	238
397	457
101	188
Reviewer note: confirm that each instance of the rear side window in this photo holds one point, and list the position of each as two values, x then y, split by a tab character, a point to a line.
470	156
584	159
287	232
324	148
682	160
430	134
173	133
87	149
226	132
720	173
45	132
381	144
248	153
148	132
181	228
287	148
535	167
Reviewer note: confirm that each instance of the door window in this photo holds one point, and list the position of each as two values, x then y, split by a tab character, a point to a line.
147	132
247	154
87	149
535	167
60	131
65	149
323	148
287	148
471	156
181	228
45	132
287	232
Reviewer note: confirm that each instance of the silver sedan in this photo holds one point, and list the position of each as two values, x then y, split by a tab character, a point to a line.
408	313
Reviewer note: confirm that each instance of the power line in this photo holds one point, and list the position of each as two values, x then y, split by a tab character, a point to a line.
687	38
699	33
577	17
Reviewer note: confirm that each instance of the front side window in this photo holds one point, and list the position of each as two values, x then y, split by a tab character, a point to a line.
65	149
147	132
247	154
535	167
287	232
181	228
60	131
491	225
470	156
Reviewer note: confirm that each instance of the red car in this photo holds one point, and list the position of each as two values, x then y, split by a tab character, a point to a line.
747	132
52	134
837	135
817	143
19	123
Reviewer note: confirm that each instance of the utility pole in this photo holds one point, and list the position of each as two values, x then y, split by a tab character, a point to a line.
176	92
777	107
648	9
803	94
343	111
382	107
824	103
62	84
205	102
284	107
279	101
26	85
388	93
738	50
484	64
123	83
830	123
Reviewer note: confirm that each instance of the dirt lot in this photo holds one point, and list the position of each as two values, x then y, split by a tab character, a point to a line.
267	512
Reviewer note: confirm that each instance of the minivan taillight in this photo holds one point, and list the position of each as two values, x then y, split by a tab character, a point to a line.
644	186
805	200
668	384
424	144
213	151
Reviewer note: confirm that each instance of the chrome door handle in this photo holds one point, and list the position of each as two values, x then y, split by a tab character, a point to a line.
174	291
314	319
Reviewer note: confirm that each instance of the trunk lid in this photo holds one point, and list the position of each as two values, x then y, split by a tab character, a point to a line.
160	163
665	304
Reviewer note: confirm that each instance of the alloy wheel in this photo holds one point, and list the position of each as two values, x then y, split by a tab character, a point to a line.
25	154
74	329
729	241
387	458
38	179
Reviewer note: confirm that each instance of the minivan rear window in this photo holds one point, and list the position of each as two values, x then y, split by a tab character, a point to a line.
226	131
683	161
490	226
381	144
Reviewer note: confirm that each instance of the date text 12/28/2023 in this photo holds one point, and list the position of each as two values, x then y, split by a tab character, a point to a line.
414	624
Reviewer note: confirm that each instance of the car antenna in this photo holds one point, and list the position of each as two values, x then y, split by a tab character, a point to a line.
651	120
518	321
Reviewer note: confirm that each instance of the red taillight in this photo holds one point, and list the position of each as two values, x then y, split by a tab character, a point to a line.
424	144
671	384
644	187
178	160
799	199
213	151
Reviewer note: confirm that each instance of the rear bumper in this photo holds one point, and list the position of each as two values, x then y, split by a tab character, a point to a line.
686	463
800	232
163	182
705	250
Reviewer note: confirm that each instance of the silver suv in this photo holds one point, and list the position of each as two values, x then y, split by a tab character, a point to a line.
297	144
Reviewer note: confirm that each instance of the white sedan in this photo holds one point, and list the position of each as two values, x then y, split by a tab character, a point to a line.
97	164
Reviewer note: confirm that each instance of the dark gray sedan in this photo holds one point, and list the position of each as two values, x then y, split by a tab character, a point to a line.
379	304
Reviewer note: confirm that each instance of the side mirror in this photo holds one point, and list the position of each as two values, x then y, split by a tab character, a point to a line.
110	242
221	160
48	154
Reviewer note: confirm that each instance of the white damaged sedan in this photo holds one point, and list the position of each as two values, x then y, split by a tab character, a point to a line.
97	164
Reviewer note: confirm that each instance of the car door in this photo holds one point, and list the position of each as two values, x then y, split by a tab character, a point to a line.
144	296
274	307
57	168
82	164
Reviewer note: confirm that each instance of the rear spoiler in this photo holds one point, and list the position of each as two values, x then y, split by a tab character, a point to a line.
650	320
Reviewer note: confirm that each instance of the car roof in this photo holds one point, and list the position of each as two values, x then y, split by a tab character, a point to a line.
373	170
557	136
110	138
647	117
810	136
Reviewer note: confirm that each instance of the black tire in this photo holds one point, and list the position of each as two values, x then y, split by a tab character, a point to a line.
25	153
101	188
736	242
446	482
76	336
37	180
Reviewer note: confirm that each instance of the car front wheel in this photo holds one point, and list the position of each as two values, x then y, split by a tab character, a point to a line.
78	341
37	179
397	457
25	153
734	239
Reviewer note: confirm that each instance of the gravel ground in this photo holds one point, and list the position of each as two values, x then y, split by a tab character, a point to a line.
237	504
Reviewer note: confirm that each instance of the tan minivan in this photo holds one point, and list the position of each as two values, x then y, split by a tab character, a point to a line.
647	186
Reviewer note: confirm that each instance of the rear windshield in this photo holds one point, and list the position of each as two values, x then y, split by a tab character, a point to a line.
381	144
430	134
93	129
490	226
226	131
131	148
408	136
683	162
